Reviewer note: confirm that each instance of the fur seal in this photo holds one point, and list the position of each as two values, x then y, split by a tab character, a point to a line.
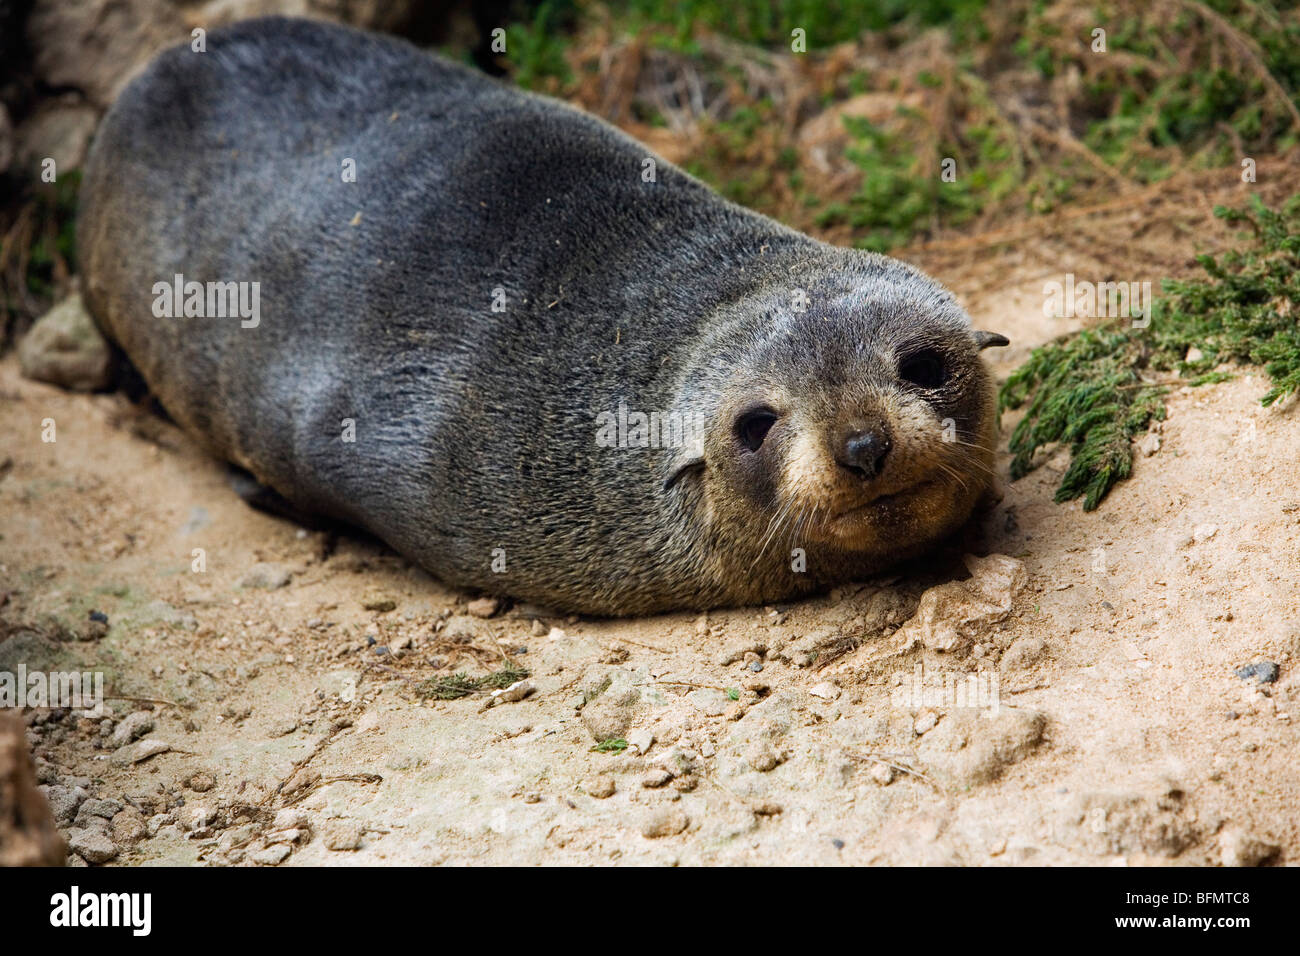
518	347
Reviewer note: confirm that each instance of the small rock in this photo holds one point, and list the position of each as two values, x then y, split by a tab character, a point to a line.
201	782
642	740
969	748
1263	672
709	702
267	576
609	711
64	802
273	855
882	773
132	727
1238	848
158	821
380	604
958	613
1023	653
515	692
825	690
65	348
128	826
341	835
1149	444
57	130
664	823
200	817
601	786
484	607
461	629
104	809
1204	532
925	721
738	649
655	777
92	845
290	819
763	759
138	752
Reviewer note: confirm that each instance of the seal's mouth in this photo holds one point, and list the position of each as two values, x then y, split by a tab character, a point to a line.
853	520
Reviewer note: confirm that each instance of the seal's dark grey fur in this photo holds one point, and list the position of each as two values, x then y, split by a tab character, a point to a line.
475	429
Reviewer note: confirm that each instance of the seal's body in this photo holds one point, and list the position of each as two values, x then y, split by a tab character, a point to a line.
453	350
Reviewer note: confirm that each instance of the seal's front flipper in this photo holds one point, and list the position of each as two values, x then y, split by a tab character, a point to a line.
263	498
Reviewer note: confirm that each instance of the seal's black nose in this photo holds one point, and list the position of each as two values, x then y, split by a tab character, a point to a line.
865	451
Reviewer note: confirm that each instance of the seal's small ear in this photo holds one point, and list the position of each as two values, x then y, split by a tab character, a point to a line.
984	340
682	466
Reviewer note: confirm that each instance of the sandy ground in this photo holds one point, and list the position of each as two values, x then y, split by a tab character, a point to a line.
292	732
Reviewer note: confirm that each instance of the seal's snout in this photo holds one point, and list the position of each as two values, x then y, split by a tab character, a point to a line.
864	451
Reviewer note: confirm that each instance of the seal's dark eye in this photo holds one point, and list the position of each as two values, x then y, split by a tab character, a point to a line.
924	369
752	427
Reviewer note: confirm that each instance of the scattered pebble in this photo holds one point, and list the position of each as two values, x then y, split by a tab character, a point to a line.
1023	653
763	759
516	691
969	747
132	727
737	650
128	826
1149	444
201	782
138	752
267	576
92	845
601	786
484	607
655	777
1239	848
1263	672
158	821
825	690
341	835
925	721
273	855
290	819
664	823
66	348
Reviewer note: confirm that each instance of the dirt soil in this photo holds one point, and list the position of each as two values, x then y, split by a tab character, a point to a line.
267	710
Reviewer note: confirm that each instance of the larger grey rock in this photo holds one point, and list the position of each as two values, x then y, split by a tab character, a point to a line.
65	348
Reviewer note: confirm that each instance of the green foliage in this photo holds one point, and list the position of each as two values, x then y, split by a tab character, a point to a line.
770	22
615	745
537	48
39	250
1199	83
898	199
1098	389
462	685
1190	84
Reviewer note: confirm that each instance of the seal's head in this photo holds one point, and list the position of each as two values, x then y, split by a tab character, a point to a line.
857	421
